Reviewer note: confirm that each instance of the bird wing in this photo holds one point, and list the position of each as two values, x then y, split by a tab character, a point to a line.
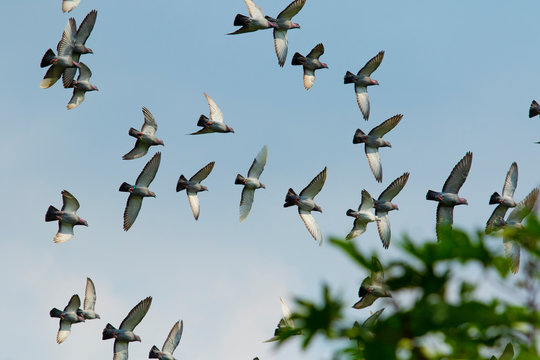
120	350
362	98
367	202
384	228
258	164
63	331
524	207
51	76
316	52
89	295
65	45
311	225
372	64
386	126
512	249
76	99
309	78
149	172
445	217
394	188
68	5
499	212
86	27
150	126
84	72
203	131
458	175
281	45
140	149
286	314
377	273
291	10
254	10
136	314
215	113
73	304
374	160
359	227
366	301
245	202
315	185
70	203
65	232
510	182
174	337
203	173
194	203
69	73
133	206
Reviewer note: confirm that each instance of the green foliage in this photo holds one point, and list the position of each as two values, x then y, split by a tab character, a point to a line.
442	323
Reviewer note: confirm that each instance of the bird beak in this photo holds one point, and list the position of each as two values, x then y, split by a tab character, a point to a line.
262	185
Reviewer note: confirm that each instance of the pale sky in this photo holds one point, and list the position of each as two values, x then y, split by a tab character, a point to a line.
463	74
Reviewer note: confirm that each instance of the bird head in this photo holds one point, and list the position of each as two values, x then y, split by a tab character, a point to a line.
152	194
395	207
204	188
463	201
81	221
324	65
352	213
94	87
295	26
374	82
160	142
76	64
88	50
263	186
137	338
387	143
230	129
317	208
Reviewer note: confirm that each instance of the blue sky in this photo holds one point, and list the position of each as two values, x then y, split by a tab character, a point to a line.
462	73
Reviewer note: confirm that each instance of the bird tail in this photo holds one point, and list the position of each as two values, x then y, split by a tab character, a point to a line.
240	20
125	187
358	136
349	78
51	214
532	112
239	180
133	132
494	199
289	198
55	313
182	183
46	60
351	212
431	195
298	59
202	120
108	332
271	19
154	352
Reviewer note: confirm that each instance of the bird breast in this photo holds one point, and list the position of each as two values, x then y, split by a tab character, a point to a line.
508	202
450	199
306	204
361	80
141	191
383	206
70	218
126	335
375	141
252	183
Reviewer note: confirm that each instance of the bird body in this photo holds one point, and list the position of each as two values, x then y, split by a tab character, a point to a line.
310	63
145	138
372	287
70	315
171	343
362	217
251	182
215	123
67	217
256	20
504	201
81	86
193	186
88	311
283	24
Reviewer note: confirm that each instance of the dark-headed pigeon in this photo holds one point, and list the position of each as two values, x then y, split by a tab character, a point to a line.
306	205
506	200
534	109
81	86
374	141
285	323
255	21
384	204
251	182
215	123
89	304
124	335
448	197
284	23
58	63
362	80
363	216
140	190
71	315
193	186
170	344
145	138
372	287
310	63
67	217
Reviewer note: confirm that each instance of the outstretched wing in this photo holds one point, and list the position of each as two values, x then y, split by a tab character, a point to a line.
203	173
133	206
316	52
458	175
149	172
311	225
386	126
394	188
291	10
258	164
362	98
70	202
372	64
194	204
90	295
510	182
281	45
150	125
524	207
245	202
215	112
136	314
174	337
315	185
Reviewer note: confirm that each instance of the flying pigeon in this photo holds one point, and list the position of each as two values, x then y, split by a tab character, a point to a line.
374	141
362	80
522	209
534	109
384	204
140	190
310	63
88	311
251	183
193	186
363	216
68	5
255	21
81	86
372	287
448	197
124	335
170	344
285	323
506	200
67	217
78	39
306	205
58	63
284	23
70	315
145	138
215	123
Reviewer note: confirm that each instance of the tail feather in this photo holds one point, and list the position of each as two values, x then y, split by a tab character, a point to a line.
290	198
240	20
125	187
154	352
51	214
202	120
298	59
239	180
46	60
432	195
533	109
494	199
349	78
182	183
55	312
358	136
133	132
351	212
108	332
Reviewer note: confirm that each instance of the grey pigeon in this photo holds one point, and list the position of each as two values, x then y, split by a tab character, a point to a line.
448	197
506	200
124	334
374	141
81	86
522	209
285	323
255	21
68	5
67	217
58	63
251	182
306	205
89	304
140	190
372	287
284	23
534	109
170	344
363	216
310	63
193	186
362	80
70	315
145	138
215	123
78	41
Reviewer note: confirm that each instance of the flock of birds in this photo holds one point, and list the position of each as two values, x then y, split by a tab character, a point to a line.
66	62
